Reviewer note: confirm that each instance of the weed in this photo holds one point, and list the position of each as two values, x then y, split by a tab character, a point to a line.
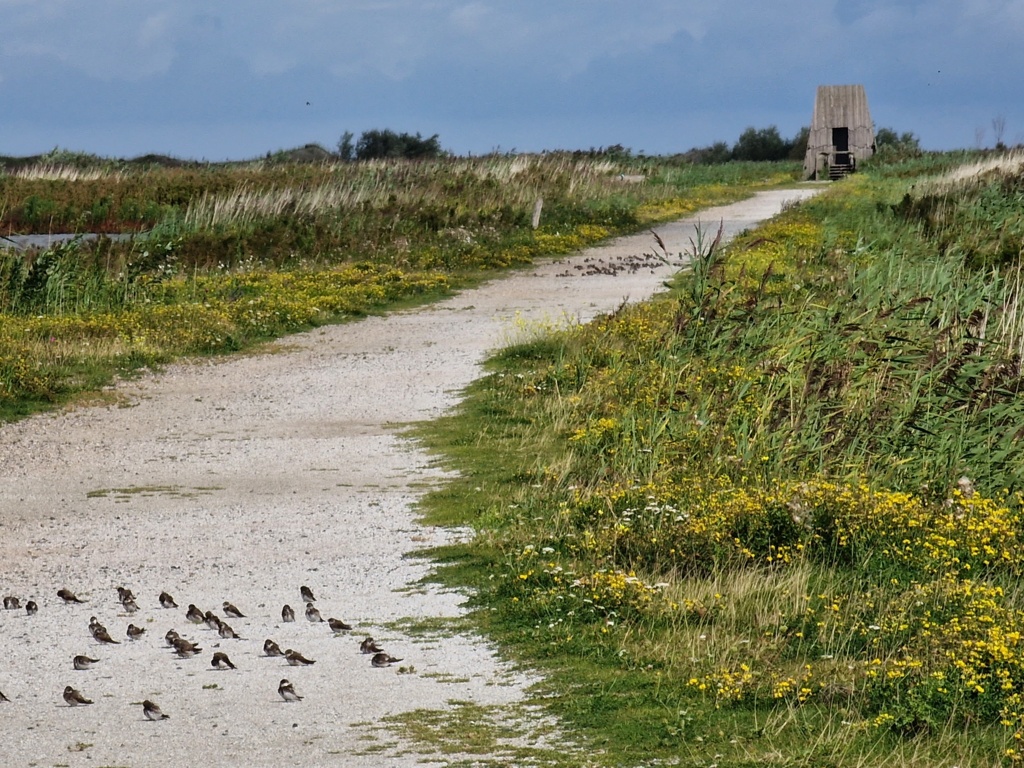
774	516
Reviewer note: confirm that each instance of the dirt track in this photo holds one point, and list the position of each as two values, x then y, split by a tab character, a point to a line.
241	480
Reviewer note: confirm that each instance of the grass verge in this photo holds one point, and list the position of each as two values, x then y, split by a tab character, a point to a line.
773	517
239	254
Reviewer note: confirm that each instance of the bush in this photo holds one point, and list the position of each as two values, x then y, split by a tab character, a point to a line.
892	146
761	144
376	144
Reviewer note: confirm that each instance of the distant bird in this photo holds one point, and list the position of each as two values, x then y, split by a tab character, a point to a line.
83	662
134	633
368	646
287	691
3	698
100	634
11	603
74	698
166	601
270	648
130	605
68	596
312	613
337	625
232	611
287	614
296	659
31	608
152	711
124	595
184	648
227	632
383	660
212	620
171	636
221	661
194	615
307	594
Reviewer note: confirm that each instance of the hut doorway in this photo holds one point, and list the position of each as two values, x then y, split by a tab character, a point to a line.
841	141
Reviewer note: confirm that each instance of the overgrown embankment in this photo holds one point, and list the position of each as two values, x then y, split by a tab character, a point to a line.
238	253
774	516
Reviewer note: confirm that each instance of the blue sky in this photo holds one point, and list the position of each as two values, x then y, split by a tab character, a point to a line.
232	79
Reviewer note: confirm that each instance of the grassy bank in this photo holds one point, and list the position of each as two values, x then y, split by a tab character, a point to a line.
773	517
230	255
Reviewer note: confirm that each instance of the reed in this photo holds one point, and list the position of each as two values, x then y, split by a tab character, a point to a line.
785	499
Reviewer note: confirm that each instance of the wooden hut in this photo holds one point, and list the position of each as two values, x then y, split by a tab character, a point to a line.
841	132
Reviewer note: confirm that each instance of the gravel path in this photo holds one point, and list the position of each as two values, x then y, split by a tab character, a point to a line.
240	480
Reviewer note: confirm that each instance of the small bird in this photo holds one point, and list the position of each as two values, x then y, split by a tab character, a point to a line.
368	646
166	601
130	605
83	662
134	633
170	637
287	691
307	594
185	649
221	661
100	634
68	596
152	711
383	660
227	632
337	625
270	648
123	595
74	698
11	603
212	620
312	613
232	611
194	614
31	608
287	614
296	659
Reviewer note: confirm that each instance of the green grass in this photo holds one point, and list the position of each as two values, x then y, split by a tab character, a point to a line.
465	733
729	525
237	254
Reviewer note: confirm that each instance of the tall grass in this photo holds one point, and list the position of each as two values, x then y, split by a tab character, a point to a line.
784	500
51	172
206	276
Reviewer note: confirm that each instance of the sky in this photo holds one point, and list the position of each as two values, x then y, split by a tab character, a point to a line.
235	79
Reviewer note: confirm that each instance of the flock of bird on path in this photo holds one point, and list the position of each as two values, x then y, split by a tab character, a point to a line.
185	648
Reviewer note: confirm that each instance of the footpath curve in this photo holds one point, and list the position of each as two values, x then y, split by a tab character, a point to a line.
242	479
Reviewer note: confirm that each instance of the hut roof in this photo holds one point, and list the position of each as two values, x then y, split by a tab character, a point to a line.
841	106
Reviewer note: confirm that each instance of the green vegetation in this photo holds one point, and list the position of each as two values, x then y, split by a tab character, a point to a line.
774	516
753	145
771	518
767	144
377	144
229	255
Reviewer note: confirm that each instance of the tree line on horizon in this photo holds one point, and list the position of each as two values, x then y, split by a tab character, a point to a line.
753	144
